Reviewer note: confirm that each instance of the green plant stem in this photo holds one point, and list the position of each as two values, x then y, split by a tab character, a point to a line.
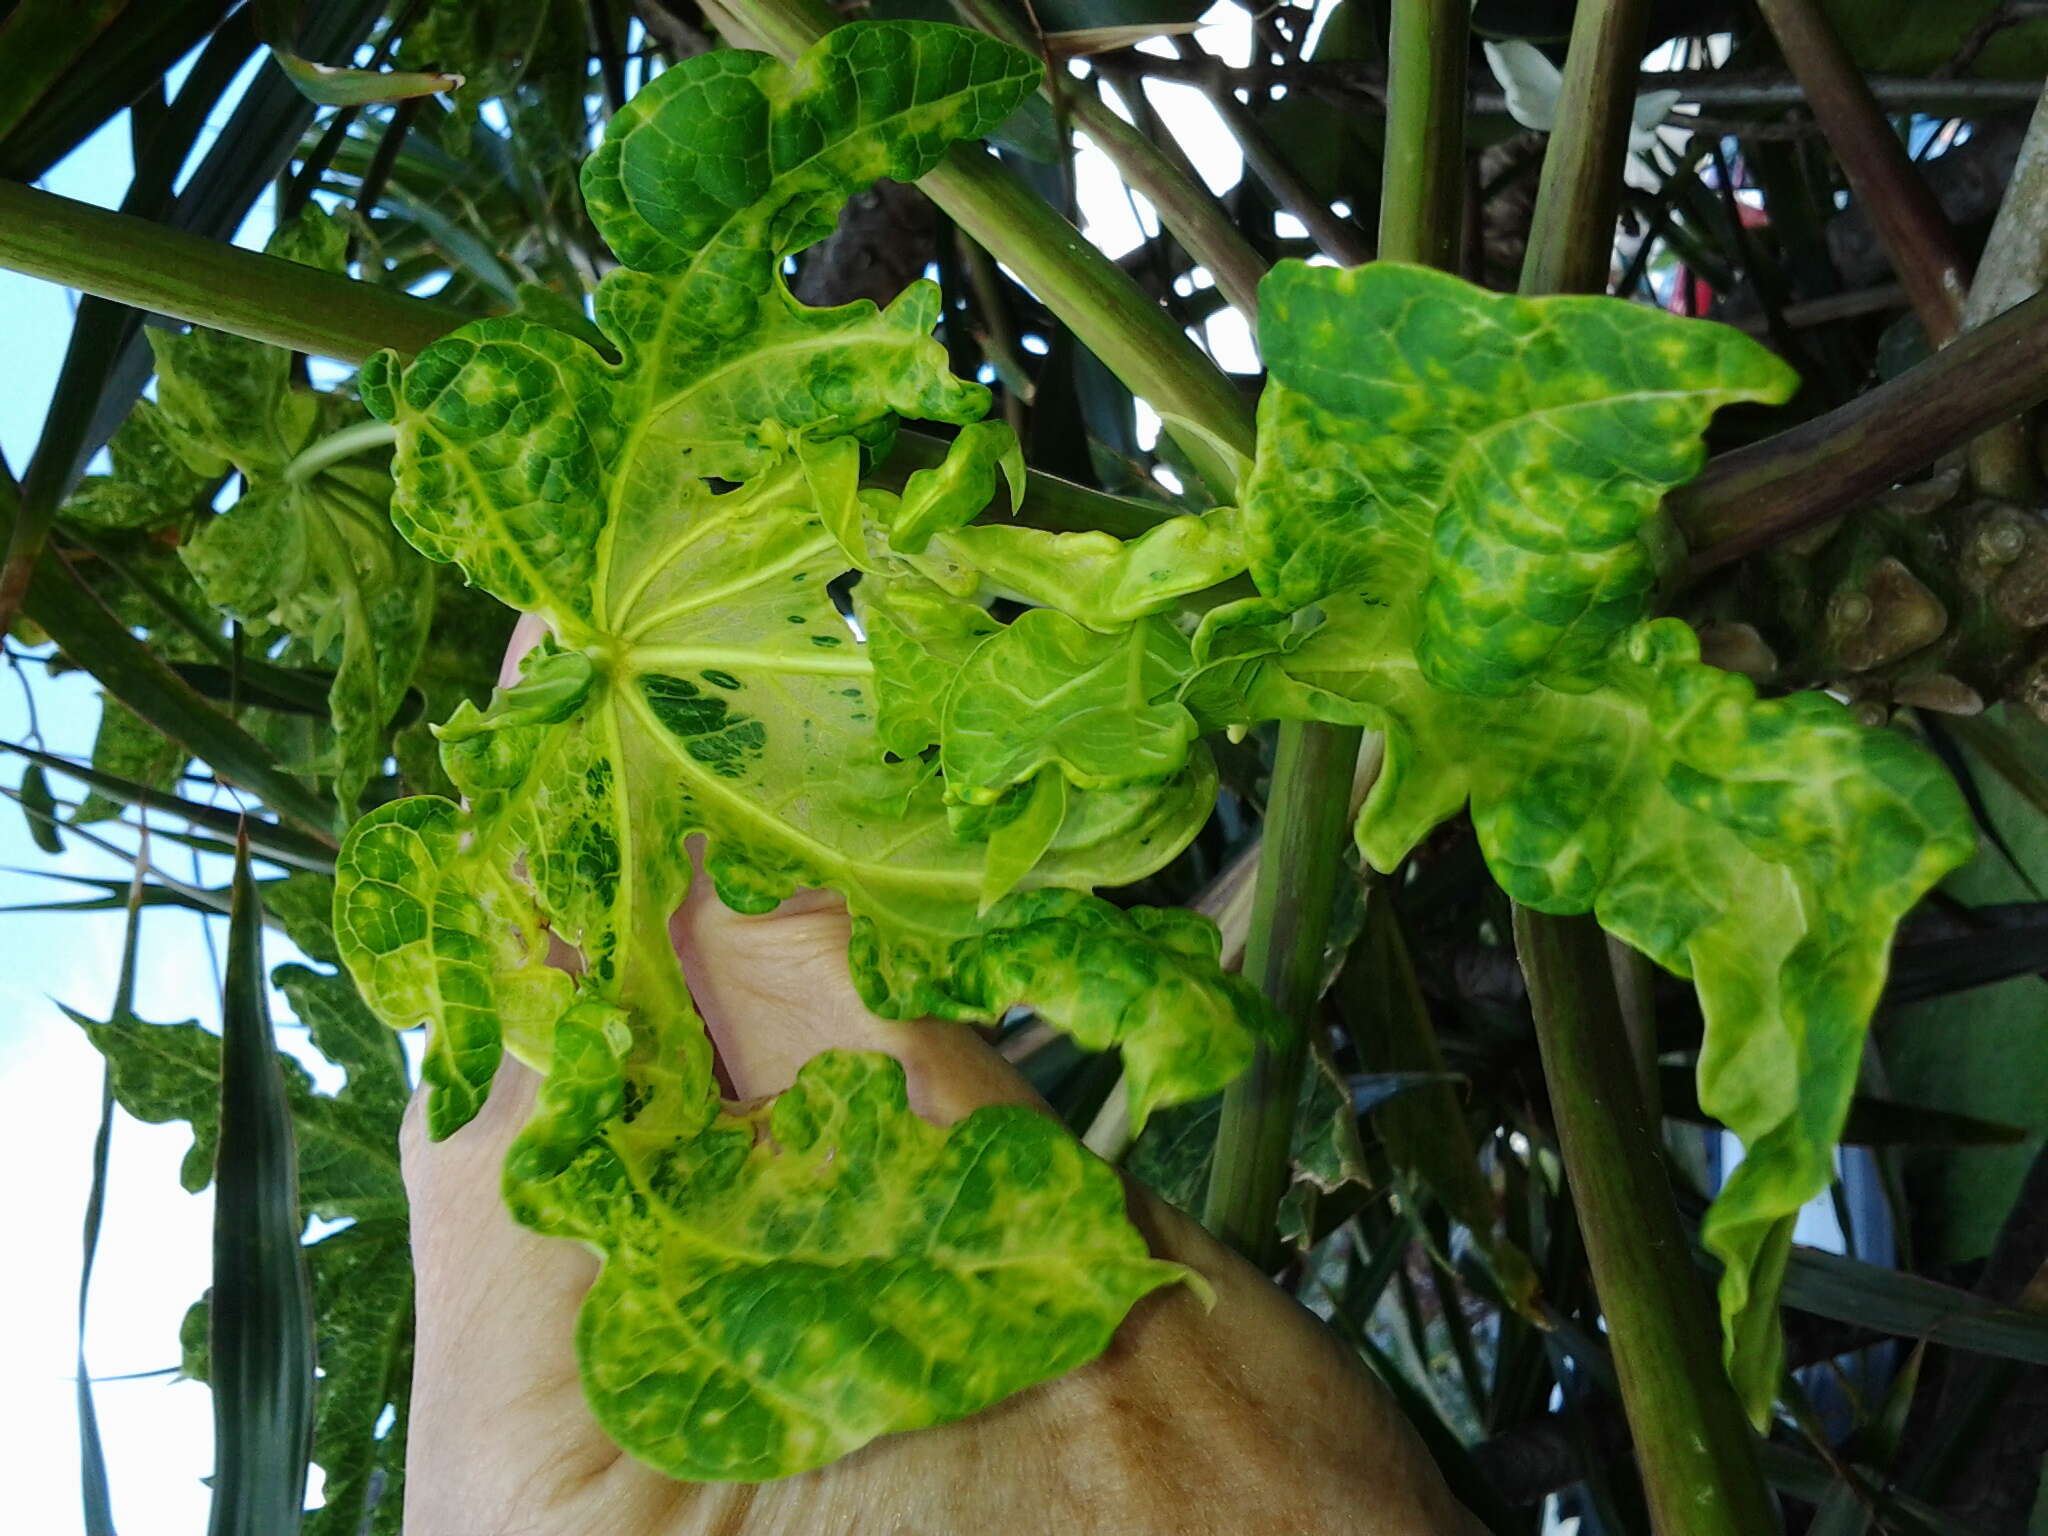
288	305
1422	198
1307	819
998	345
61	449
1571	237
1310	809
1771	490
1693	1444
1894	196
1694	1448
1188	209
134	261
1135	339
1722	90
1309	812
1104	308
336	446
1635	989
1093	297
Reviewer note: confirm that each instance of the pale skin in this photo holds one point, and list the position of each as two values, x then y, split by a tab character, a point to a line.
1250	1418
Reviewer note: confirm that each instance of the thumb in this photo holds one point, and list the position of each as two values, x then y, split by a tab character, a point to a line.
774	991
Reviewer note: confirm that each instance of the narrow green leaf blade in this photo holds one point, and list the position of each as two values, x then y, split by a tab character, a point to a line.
1850	1291
331	85
262	1316
95	1497
269	840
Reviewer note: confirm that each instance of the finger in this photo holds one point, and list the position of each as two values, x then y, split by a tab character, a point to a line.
525	636
497	1404
774	991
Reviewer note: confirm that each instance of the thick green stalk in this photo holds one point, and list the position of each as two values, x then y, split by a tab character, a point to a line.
1307	820
1692	1444
1571	239
1771	490
1309	811
1422	187
1094	298
1188	209
61	448
134	261
288	305
1100	303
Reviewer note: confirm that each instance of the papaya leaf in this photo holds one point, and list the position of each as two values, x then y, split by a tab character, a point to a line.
954	491
1518	447
312	553
1452	533
1102	581
302	903
348	1147
153	482
919	636
1497	550
1452	524
679	516
1048	694
164	1072
363	1330
782	1292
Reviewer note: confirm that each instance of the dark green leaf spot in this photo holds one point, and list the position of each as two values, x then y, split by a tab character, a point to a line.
714	734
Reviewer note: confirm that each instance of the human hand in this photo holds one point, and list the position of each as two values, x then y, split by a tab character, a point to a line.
1246	1418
